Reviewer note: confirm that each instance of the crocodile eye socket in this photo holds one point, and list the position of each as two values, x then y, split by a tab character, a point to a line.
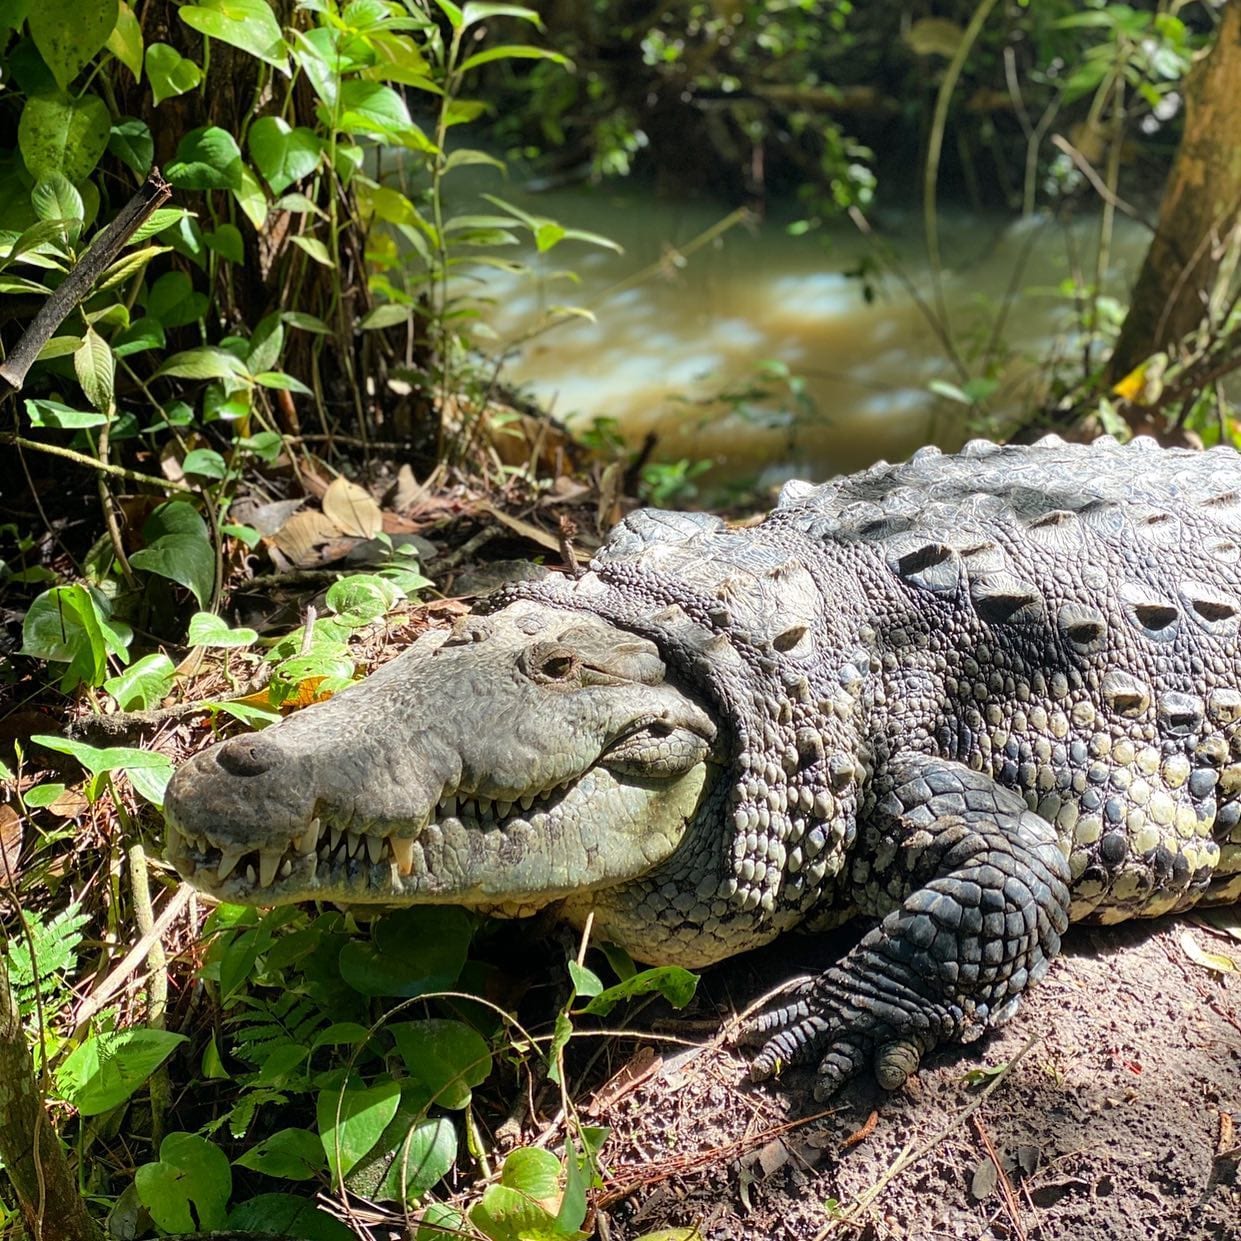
549	662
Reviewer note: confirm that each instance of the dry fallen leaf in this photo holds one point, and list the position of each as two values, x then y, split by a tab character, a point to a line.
1208	960
10	844
302	534
353	509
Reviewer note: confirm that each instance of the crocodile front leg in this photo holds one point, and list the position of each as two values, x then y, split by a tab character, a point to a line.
977	889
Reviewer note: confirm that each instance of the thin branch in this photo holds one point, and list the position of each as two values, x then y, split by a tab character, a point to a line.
99	256
80	458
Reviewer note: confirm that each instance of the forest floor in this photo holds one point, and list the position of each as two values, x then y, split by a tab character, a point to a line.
1121	1119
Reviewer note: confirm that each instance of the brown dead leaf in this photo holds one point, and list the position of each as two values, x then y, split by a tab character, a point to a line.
528	530
303	534
69	805
1216	961
10	844
353	509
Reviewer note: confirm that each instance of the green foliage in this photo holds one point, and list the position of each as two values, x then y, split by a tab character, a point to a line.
41	967
105	1069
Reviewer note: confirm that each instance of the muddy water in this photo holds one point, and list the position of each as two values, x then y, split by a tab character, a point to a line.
672	334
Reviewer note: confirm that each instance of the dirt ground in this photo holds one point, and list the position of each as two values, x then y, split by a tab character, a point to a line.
1117	1122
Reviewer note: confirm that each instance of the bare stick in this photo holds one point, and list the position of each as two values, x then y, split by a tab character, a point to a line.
99	256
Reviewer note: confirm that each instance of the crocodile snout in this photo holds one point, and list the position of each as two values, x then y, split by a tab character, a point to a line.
247	756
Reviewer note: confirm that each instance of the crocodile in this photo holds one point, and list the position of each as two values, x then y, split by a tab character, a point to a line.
970	698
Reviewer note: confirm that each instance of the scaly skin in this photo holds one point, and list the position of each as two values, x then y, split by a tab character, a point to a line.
968	698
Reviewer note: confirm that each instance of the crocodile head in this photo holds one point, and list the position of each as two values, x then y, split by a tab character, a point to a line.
525	756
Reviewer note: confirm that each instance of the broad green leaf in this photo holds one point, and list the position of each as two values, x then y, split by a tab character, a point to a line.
128	266
452	12
107	1068
251	198
362	597
585	982
464	156
387	315
59	347
283	155
371	108
291	1154
352	1120
189	1188
526	1202
512	51
173	301
226	241
208	629
420	1151
178	548
170	73
44	795
20	285
56	198
481	12
949	391
143	685
160	219
439	1221
59	134
131	143
96	370
100	760
247	24
205	462
675	984
315	248
412	951
125	41
256	717
282	381
207	159
13	13
307	323
283	1215
45	413
447	1057
144	333
66	624
266	343
69	32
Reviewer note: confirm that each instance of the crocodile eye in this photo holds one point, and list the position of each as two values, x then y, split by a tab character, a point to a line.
549	661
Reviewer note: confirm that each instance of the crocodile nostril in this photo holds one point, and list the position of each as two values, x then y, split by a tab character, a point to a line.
246	756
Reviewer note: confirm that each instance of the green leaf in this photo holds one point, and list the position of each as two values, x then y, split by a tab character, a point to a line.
251	198
256	717
307	323
585	982
96	370
283	155
56	198
452	12
371	108
101	761
178	548
44	413
66	625
266	343
447	1057
59	134
422	1150
173	301
387	315
481	12
208	629
949	391
351	1121
143	685
227	243
160	219
282	381
144	333
412	951
205	462
464	156
189	1188
291	1154
131	143
283	1215
315	248
675	984
514	51
438	1222
128	266
207	158
247	24
526	1202
125	41
107	1068
69	32
362	597
170	73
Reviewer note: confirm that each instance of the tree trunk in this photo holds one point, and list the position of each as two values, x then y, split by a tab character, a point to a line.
29	1147
1200	208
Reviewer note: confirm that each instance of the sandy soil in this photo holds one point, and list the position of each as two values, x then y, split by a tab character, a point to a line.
1116	1123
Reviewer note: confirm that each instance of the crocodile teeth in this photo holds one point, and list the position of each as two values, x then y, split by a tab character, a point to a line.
334	835
354	840
503	809
286	868
269	863
403	851
251	877
528	801
308	841
230	855
374	848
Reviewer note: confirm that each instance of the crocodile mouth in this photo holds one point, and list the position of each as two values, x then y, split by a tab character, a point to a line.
357	860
